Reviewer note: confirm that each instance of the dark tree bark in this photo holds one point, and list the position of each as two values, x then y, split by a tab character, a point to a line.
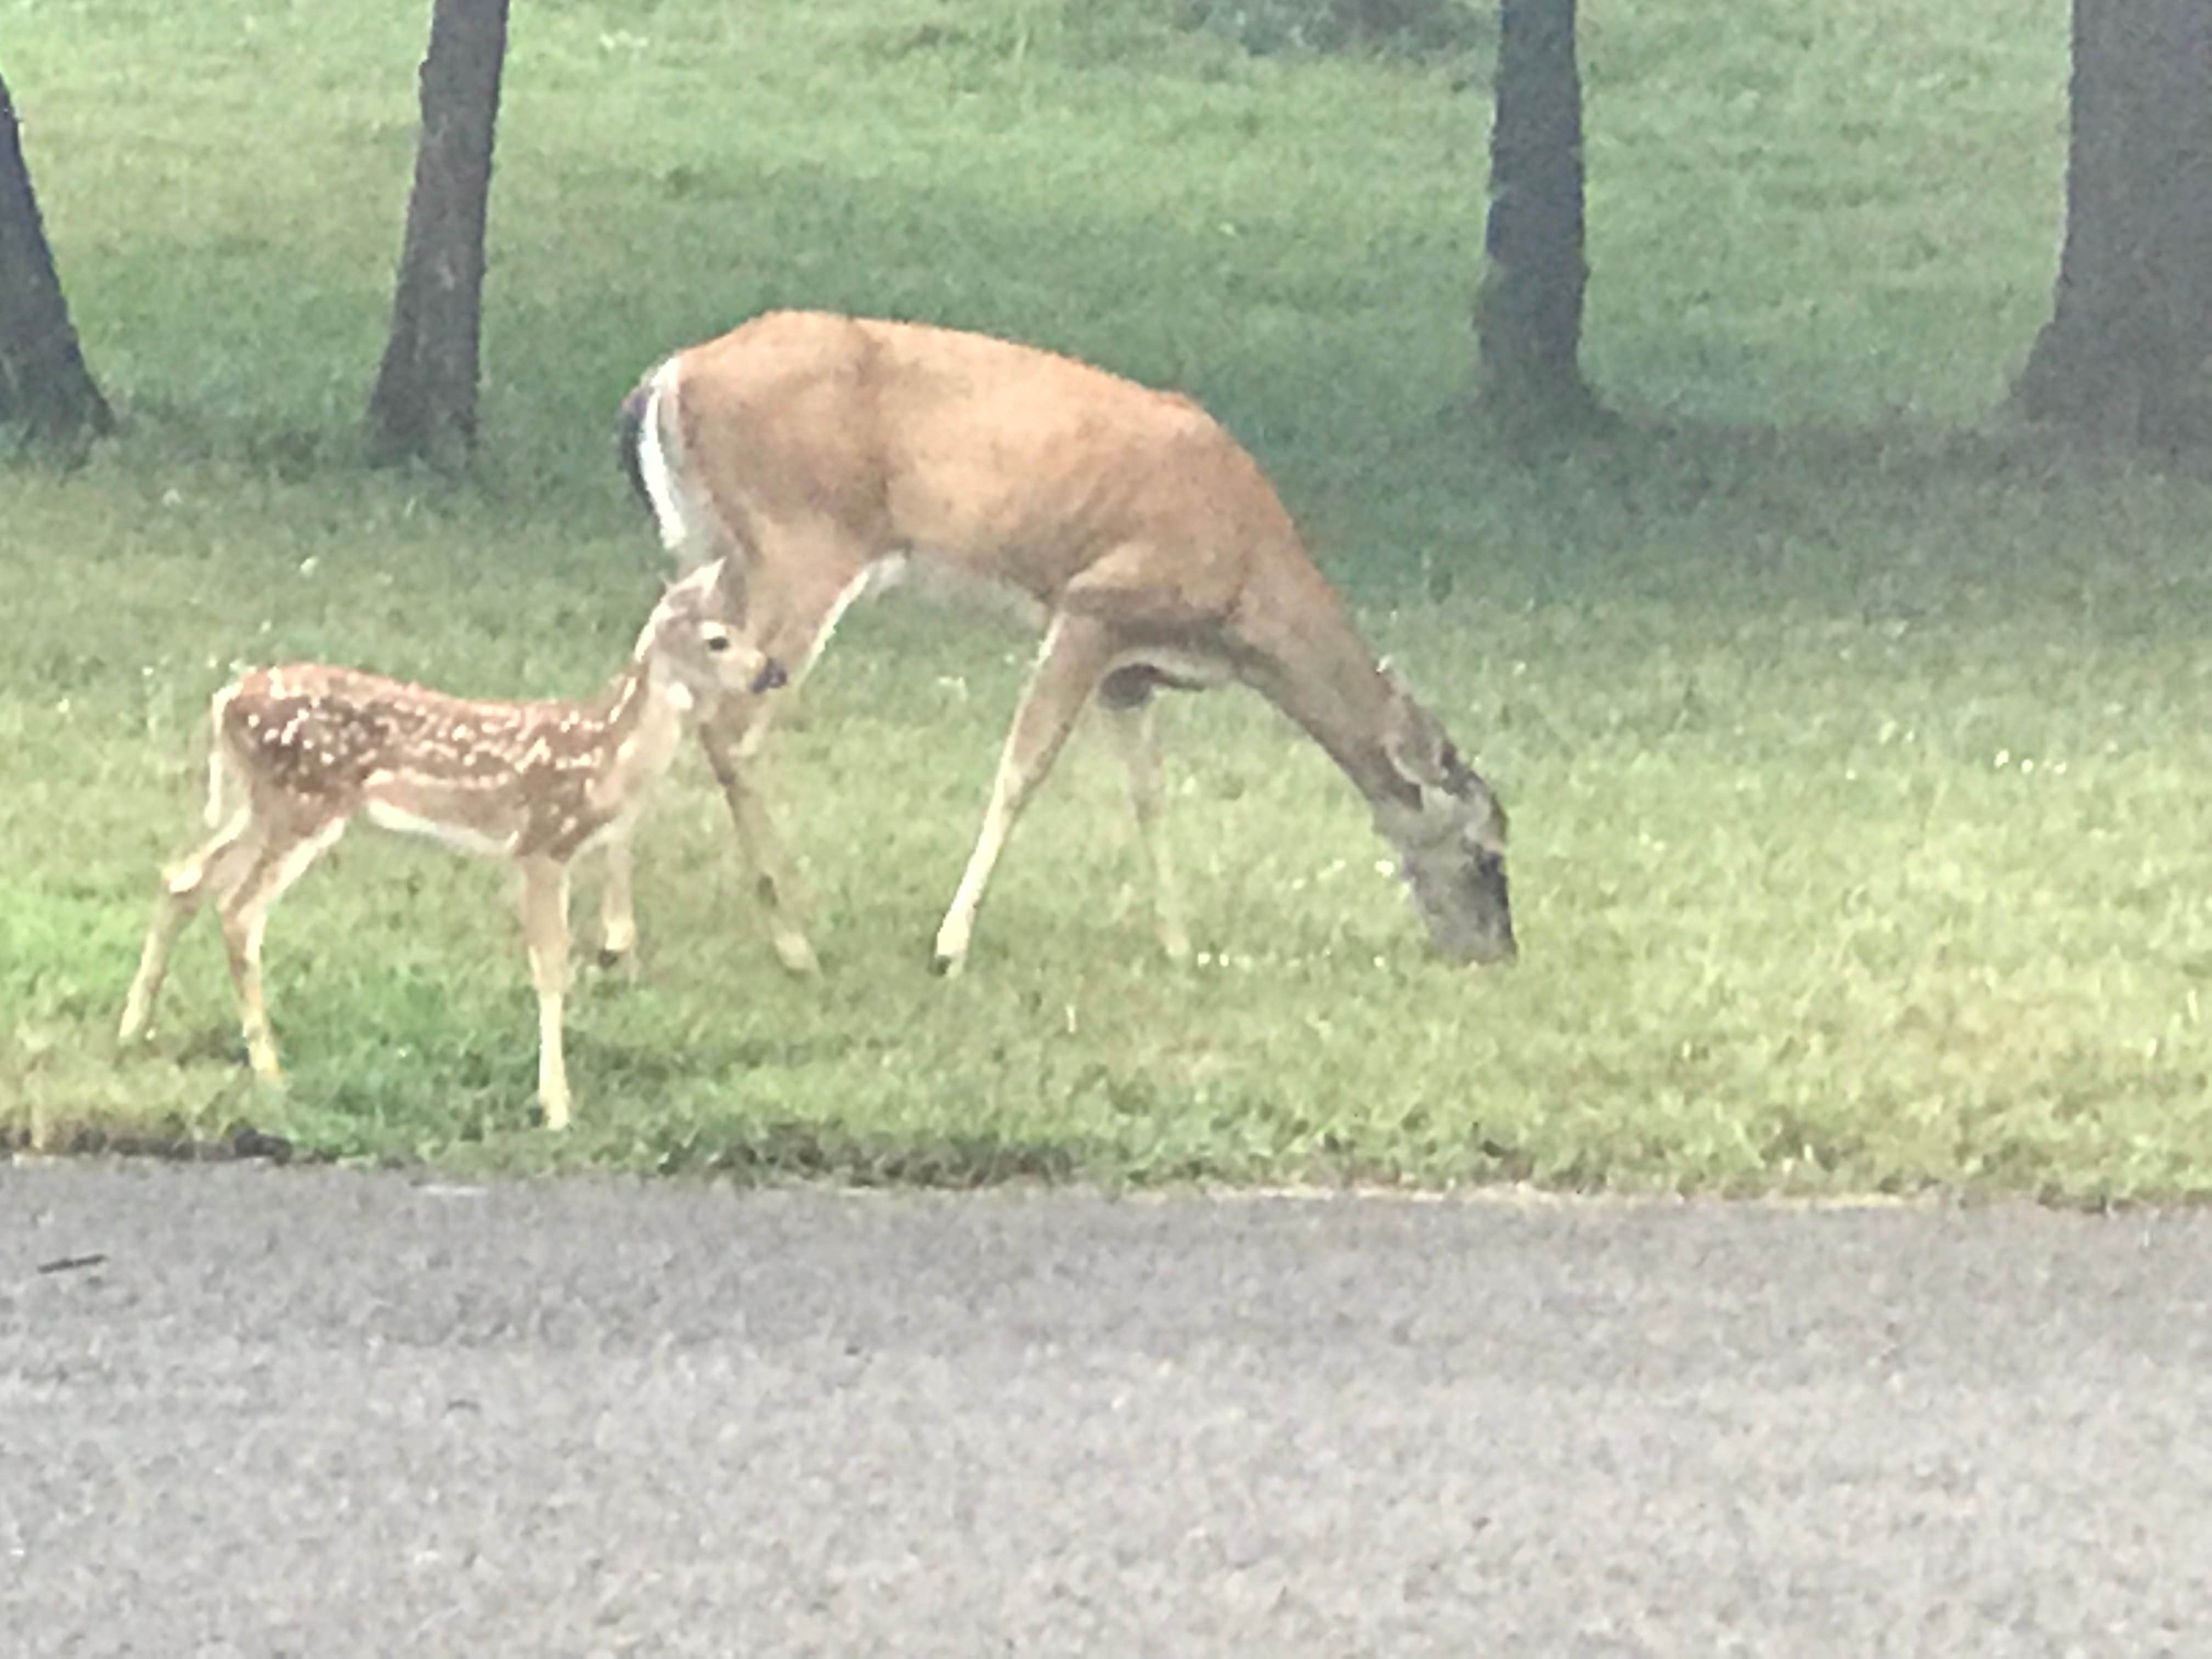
44	383
1529	313
424	405
2125	354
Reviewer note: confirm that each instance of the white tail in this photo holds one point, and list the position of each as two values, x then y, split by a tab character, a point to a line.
815	450
308	748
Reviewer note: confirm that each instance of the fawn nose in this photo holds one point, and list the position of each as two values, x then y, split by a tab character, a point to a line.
770	677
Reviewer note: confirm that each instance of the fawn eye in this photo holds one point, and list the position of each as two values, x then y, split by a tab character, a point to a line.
717	643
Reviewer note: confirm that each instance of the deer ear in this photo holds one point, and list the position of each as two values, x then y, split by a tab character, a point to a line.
1412	742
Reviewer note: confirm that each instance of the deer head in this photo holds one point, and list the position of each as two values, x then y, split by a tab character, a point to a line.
1450	832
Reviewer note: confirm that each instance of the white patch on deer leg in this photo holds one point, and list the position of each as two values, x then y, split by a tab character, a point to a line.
553	1098
874	579
792	949
958	927
1067	671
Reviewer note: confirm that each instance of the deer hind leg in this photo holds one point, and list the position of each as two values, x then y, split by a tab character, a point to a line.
1132	717
280	859
1076	651
219	865
545	932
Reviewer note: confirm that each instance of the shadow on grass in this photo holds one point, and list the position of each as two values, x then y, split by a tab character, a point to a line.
177	1143
791	1150
1690	460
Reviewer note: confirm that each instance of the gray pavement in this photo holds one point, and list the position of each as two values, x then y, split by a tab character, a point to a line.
320	1412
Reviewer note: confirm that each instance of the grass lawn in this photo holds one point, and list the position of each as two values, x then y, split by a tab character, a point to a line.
1860	757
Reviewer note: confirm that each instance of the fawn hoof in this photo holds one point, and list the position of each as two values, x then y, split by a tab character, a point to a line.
946	967
610	960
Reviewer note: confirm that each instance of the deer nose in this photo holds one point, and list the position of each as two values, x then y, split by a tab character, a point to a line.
770	677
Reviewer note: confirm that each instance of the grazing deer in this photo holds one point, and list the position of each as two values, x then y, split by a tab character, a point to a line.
820	454
308	748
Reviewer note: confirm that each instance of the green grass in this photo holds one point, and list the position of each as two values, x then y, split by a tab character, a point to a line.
1858	761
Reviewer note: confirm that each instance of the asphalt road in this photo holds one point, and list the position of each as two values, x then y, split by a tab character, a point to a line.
259	1411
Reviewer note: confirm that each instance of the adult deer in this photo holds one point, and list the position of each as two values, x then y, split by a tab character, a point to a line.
820	453
306	748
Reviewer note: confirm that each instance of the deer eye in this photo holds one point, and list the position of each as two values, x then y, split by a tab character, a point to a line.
717	643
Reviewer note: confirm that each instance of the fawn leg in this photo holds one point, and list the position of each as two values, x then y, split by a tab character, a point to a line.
280	860
545	931
617	908
219	865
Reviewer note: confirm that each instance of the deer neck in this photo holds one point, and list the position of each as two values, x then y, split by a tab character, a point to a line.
1305	656
646	711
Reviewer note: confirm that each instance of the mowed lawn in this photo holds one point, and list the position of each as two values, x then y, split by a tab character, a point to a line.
1859	750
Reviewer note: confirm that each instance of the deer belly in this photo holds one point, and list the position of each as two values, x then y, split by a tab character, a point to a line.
468	820
941	578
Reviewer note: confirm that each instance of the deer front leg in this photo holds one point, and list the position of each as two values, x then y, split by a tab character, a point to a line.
545	931
1135	728
727	738
800	584
1075	652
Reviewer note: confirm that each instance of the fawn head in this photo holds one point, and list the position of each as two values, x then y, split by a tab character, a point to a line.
696	639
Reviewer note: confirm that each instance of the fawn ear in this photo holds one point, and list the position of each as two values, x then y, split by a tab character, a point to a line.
726	576
701	588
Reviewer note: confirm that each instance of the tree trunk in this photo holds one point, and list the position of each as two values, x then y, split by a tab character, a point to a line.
2125	354
424	406
44	383
1528	312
